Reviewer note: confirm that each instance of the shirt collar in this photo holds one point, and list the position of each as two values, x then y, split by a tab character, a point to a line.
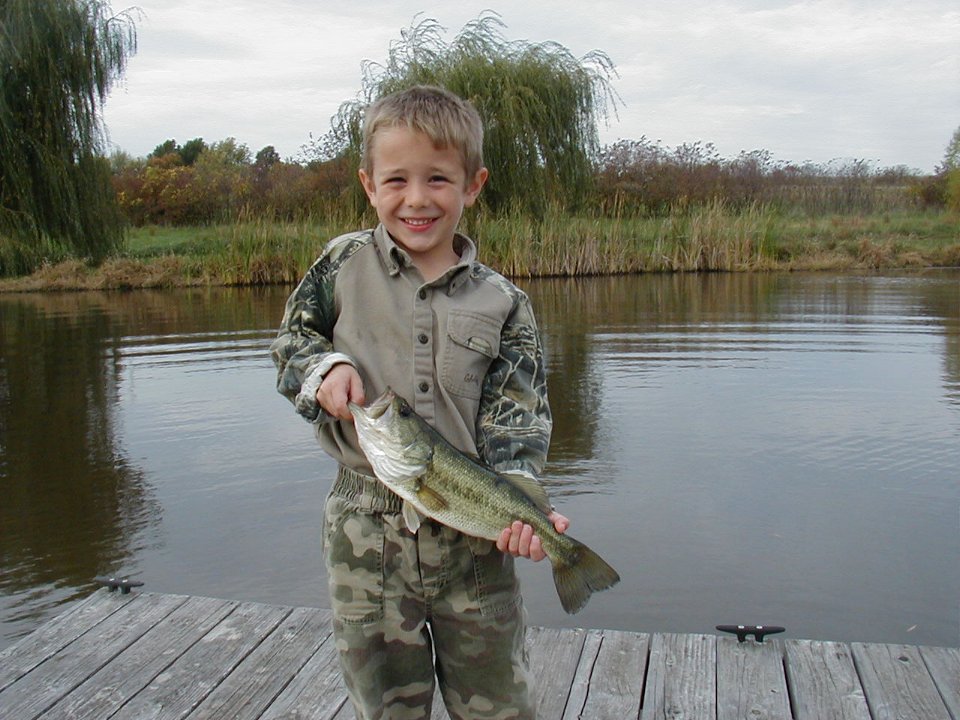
397	260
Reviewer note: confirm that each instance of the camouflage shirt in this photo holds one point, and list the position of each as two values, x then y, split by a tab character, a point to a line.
463	349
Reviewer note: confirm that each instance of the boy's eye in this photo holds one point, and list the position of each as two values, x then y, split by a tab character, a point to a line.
438	178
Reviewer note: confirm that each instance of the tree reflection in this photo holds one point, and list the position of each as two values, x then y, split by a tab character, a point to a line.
626	312
640	320
940	300
566	311
74	504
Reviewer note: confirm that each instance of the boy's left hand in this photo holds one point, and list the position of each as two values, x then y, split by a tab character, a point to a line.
520	541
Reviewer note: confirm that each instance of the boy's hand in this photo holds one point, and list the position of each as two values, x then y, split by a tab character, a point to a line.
519	540
341	385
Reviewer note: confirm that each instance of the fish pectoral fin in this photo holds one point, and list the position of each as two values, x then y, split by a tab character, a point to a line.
411	517
430	499
531	487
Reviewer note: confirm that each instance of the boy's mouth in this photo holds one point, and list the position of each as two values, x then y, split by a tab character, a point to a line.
418	223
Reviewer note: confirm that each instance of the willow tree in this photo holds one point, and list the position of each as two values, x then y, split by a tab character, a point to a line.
58	61
539	103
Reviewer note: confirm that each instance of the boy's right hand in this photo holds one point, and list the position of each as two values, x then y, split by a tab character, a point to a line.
340	386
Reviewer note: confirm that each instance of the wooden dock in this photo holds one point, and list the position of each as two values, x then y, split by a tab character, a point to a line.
148	655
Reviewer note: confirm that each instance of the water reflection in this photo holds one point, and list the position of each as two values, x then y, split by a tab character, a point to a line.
782	446
722	318
74	503
779	446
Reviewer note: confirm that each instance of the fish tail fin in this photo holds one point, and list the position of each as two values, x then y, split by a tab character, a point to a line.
580	574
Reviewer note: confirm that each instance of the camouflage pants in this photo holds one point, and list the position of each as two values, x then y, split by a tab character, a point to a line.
402	602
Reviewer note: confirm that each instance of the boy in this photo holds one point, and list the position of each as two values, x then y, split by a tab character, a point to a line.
408	306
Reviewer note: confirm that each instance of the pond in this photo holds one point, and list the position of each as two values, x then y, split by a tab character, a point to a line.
743	448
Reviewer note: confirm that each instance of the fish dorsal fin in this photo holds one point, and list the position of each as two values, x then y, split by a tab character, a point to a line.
430	499
531	487
411	517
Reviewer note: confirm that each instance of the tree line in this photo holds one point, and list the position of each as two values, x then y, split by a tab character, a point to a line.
61	195
199	183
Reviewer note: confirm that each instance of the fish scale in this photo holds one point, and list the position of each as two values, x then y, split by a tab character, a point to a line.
476	508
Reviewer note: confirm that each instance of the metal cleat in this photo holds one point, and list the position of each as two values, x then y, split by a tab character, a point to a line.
758	631
123	584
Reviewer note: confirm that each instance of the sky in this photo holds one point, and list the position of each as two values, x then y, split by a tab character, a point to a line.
823	81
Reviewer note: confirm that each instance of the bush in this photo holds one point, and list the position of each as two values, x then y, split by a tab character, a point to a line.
539	106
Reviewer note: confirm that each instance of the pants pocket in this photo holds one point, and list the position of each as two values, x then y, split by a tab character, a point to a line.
498	590
353	540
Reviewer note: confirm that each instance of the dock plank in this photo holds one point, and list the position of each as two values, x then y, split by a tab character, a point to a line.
751	681
48	683
182	686
173	657
554	657
317	692
51	637
346	713
581	678
129	672
609	680
944	666
897	683
681	678
250	690
823	681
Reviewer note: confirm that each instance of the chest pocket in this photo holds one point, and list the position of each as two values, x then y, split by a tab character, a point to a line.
473	341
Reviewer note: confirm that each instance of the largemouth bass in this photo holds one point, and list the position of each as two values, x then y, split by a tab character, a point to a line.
436	480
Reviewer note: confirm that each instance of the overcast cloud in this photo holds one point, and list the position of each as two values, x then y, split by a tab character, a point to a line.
806	81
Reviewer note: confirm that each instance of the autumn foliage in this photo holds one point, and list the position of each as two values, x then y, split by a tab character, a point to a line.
631	178
221	182
640	178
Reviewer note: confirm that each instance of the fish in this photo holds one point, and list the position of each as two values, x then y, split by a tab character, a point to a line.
436	480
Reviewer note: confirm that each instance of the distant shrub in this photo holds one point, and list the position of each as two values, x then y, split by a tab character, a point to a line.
645	178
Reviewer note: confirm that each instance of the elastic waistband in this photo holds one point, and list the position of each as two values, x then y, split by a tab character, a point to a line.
368	492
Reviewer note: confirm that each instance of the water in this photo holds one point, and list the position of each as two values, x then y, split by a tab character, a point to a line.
774	449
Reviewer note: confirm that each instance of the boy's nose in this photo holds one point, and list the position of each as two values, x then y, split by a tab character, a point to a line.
416	195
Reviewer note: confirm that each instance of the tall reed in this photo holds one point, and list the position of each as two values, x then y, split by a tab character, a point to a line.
710	238
716	237
255	251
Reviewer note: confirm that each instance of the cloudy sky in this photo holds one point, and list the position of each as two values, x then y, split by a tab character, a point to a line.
816	81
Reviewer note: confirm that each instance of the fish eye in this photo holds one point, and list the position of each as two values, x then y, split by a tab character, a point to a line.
405	410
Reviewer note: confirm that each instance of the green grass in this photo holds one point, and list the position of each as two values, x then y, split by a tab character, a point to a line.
705	239
155	241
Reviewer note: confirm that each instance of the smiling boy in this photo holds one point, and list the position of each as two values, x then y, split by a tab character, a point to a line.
408	306
420	192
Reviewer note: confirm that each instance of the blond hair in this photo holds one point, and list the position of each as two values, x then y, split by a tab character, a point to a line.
449	121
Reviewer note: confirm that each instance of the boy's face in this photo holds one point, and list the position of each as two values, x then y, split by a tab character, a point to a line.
420	192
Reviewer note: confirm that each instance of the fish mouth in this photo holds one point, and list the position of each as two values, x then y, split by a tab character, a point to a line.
376	409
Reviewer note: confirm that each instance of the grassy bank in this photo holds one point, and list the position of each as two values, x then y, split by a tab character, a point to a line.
713	238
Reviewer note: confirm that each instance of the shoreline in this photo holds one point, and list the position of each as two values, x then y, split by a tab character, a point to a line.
258	252
74	276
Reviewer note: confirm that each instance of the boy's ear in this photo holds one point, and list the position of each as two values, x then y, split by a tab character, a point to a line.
475	186
368	185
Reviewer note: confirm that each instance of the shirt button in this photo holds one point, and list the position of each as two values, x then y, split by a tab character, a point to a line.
422	294
423	338
423	387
